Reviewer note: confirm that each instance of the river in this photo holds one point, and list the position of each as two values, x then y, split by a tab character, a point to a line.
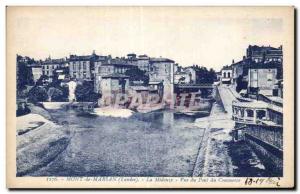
159	143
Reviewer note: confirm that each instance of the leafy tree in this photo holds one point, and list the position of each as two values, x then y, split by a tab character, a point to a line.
55	94
24	76
37	94
85	92
41	80
135	74
204	76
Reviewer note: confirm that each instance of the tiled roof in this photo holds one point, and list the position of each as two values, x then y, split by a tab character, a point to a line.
83	57
161	60
115	75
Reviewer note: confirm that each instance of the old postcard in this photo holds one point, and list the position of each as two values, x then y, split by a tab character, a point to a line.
150	97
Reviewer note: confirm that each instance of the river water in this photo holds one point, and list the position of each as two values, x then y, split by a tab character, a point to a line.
153	144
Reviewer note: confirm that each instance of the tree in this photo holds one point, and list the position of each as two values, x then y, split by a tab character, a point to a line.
24	76
135	74
55	94
41	80
85	92
205	76
37	94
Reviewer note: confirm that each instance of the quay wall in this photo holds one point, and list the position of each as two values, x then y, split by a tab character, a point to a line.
217	97
267	143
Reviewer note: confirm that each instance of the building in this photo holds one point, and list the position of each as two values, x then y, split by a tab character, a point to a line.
192	72
143	63
162	70
37	72
262	81
131	59
112	85
240	71
260	125
226	75
50	65
156	87
182	77
82	67
264	54
111	66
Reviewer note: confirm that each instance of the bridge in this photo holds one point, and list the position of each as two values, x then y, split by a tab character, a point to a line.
194	86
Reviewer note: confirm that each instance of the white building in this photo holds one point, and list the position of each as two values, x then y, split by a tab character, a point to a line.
226	75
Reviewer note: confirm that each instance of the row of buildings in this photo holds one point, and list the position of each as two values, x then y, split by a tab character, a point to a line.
259	72
258	109
108	73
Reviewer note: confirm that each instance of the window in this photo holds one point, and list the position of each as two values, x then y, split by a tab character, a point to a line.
250	113
224	74
228	74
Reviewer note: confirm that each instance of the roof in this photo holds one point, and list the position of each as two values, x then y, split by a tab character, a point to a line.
53	61
83	57
161	60
257	105
154	82
115	75
227	68
139	88
269	65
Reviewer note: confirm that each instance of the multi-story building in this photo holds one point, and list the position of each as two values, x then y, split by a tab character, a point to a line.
262	80
82	67
37	71
50	65
226	75
111	66
143	63
264	53
111	85
162	70
131	59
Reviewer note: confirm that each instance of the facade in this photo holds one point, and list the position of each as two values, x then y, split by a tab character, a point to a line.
112	85
112	66
50	65
182	78
82	67
162	70
262	81
226	75
143	63
264	53
37	72
240	70
192	73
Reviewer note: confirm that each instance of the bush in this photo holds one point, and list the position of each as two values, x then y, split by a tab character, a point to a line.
37	94
55	94
85	92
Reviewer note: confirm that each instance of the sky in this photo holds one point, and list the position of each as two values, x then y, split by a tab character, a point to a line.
189	35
